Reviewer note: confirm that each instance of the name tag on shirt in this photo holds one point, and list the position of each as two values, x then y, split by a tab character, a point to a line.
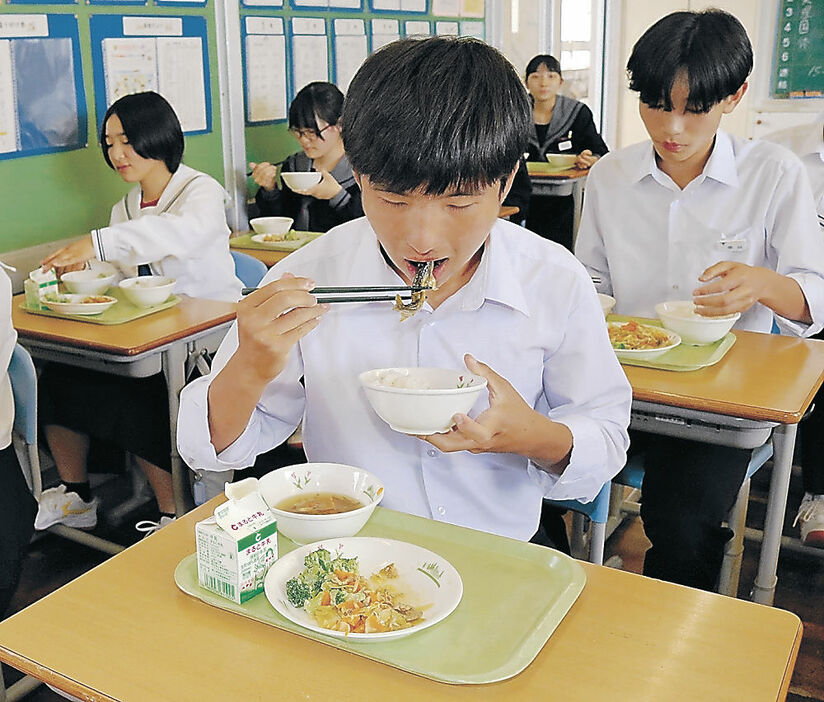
564	145
734	245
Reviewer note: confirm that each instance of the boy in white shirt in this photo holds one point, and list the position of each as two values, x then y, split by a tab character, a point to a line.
699	214
434	162
807	141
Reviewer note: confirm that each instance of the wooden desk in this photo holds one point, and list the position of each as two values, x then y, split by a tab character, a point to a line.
143	347
270	258
765	378
626	638
507	211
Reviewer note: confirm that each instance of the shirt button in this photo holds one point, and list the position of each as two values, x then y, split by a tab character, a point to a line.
432	453
442	510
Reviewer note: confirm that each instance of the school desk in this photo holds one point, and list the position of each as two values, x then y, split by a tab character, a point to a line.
158	342
765	381
560	184
626	637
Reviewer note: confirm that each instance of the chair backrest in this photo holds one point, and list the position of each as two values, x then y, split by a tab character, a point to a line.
248	269
24	387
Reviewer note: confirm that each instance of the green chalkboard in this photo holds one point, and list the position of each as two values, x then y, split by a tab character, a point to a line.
59	195
798	59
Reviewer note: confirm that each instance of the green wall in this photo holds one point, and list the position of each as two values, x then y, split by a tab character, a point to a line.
54	196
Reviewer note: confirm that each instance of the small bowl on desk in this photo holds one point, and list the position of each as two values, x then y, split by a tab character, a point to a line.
694	329
607	303
278	226
314	501
421	401
561	162
302	180
640	342
88	282
147	290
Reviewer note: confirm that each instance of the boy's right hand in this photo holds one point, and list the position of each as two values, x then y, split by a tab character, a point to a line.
264	174
271	320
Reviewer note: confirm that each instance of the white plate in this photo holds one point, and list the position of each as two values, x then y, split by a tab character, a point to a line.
73	304
424	577
646	354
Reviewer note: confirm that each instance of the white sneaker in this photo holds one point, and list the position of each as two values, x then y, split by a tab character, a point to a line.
149	527
60	507
811	518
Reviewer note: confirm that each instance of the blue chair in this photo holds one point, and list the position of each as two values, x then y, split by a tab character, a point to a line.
598	513
632	475
24	388
248	269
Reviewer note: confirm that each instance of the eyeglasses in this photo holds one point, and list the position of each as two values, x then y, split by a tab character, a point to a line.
310	134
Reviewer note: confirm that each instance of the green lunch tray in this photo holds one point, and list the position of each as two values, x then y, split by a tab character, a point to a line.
119	313
684	357
515	595
245	242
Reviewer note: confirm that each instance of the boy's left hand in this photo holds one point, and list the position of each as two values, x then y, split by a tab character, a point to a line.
70	258
731	287
325	190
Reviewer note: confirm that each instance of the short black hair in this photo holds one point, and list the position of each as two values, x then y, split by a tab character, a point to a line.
318	99
437	113
710	47
151	126
551	63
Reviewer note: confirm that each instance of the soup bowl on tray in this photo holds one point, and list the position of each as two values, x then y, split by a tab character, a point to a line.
307	500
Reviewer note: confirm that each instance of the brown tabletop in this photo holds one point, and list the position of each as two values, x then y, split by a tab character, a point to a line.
626	638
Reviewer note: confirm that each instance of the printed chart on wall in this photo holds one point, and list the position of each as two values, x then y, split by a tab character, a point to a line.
168	55
798	61
42	101
264	54
310	56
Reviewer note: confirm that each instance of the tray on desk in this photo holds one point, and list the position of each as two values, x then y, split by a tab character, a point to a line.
245	242
123	311
684	357
515	595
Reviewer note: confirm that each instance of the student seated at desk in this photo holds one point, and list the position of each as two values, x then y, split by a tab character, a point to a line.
807	141
172	223
433	181
562	125
17	506
698	214
314	120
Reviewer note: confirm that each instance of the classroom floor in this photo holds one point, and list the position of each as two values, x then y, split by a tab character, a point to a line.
53	561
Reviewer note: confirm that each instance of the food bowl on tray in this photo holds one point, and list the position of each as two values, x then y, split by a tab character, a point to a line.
693	328
607	303
641	342
561	162
278	226
301	180
88	282
147	290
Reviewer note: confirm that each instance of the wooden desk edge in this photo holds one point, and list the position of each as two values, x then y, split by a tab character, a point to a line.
730	409
788	672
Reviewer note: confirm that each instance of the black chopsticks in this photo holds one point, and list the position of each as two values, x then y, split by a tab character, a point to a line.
360	293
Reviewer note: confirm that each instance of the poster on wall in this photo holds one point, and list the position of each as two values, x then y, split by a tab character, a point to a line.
264	48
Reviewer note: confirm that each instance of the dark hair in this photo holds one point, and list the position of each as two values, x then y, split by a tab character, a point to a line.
551	63
710	47
318	99
151	126
439	112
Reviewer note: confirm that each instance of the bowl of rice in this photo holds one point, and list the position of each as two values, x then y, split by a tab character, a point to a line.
693	328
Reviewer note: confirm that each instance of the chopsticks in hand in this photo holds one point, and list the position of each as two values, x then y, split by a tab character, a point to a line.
381	293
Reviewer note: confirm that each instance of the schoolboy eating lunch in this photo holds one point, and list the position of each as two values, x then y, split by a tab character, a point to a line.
434	163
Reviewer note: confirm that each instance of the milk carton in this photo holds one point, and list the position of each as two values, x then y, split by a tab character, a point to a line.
237	545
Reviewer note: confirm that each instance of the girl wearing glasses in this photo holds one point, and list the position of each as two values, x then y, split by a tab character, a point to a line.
314	120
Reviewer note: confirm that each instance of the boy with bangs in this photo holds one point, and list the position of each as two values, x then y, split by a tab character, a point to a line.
699	214
434	162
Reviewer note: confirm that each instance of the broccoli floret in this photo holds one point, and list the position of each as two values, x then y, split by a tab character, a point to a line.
297	592
349	565
340	596
321	559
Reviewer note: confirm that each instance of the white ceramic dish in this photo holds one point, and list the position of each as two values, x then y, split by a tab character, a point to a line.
147	290
421	400
646	354
72	303
561	161
308	478
694	329
88	282
301	180
607	303
424	577
271	225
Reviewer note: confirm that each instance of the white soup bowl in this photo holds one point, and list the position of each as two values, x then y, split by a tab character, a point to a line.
147	290
271	225
694	329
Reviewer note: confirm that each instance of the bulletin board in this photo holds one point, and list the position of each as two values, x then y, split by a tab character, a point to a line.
798	54
46	115
168	55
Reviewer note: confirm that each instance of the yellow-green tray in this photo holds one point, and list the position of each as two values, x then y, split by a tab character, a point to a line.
123	311
542	168
515	595
245	242
683	357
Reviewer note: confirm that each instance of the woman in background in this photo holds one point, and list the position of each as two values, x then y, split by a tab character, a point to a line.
172	223
562	126
314	120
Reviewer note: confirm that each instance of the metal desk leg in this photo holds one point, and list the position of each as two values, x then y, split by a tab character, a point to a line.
577	206
174	368
763	590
